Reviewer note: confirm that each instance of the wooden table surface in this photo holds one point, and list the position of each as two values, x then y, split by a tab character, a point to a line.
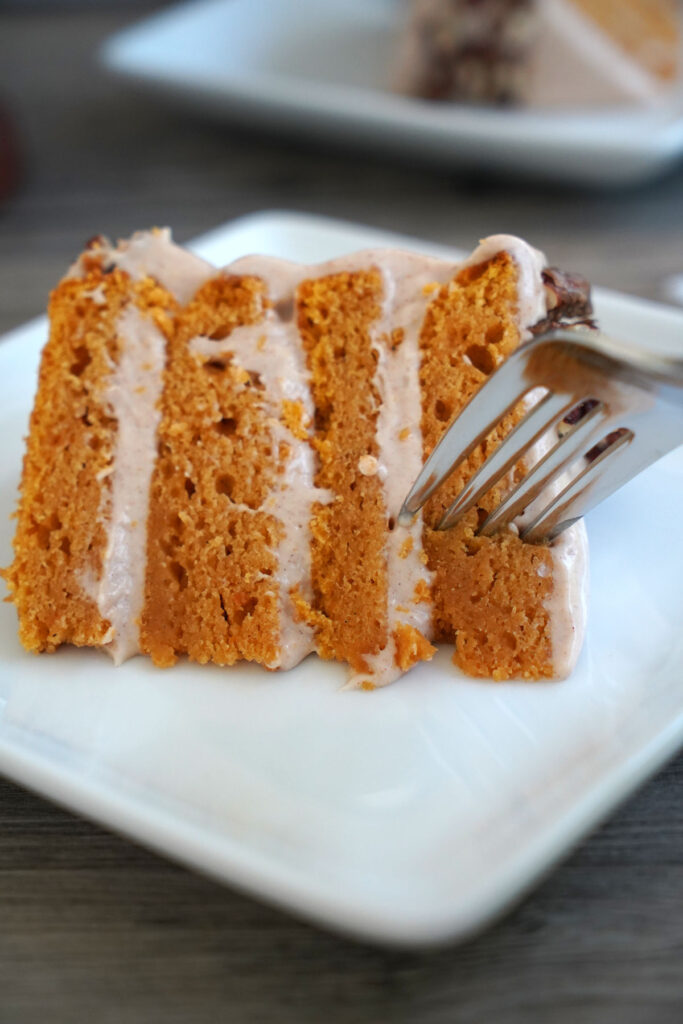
92	928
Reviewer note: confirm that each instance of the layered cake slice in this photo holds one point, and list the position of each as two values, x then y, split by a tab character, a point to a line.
217	458
554	52
463	51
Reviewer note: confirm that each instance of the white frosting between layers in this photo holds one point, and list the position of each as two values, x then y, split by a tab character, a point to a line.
397	380
399	441
271	349
132	395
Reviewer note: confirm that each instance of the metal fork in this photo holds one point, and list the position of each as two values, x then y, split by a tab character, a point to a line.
606	411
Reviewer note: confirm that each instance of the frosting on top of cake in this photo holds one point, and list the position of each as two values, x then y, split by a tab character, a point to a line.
153	254
531	292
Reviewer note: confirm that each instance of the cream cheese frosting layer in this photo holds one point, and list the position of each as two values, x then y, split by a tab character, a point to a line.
399	440
408	282
132	395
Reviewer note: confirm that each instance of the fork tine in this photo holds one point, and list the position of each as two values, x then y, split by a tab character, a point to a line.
655	430
596	482
548	412
473	424
558	459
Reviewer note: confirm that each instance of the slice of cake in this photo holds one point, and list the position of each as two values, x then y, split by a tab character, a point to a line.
555	52
463	51
217	458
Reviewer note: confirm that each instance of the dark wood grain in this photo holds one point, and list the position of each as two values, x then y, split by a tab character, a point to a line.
93	928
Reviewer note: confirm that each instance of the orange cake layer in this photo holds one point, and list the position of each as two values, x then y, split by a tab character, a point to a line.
487	591
63	534
217	459
335	315
212	546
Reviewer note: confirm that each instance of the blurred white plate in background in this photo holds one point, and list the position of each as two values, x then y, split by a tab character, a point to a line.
320	68
408	816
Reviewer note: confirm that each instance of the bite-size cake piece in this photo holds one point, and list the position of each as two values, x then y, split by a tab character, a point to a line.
217	458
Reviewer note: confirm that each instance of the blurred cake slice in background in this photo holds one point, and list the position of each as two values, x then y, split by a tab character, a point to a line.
555	52
474	52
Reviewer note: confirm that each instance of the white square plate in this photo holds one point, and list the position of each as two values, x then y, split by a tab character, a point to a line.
411	815
321	68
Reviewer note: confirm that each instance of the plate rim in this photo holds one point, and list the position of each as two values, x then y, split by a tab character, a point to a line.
220	858
642	142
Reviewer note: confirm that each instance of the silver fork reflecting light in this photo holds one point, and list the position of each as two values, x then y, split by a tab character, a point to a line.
606	411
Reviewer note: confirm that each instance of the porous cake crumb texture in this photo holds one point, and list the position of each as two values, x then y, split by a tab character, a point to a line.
488	595
335	316
61	538
210	589
282	457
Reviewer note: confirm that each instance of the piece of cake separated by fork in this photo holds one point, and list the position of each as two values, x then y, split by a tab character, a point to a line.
217	458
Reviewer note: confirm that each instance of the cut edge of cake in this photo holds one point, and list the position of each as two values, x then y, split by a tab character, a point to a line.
266	420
